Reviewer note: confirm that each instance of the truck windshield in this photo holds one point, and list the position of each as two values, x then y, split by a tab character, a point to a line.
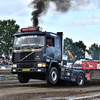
28	40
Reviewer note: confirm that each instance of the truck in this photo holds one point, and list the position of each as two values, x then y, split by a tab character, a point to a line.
92	69
38	54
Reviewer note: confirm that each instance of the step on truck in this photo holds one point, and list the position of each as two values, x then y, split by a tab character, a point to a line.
38	54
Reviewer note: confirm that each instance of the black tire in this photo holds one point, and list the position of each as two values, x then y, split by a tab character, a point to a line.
52	76
80	79
23	78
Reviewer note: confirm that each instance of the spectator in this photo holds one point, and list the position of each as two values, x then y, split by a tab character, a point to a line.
2	52
3	56
0	61
8	52
10	56
5	61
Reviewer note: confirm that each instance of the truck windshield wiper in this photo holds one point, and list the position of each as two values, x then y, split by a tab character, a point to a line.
26	45
17	47
31	45
37	46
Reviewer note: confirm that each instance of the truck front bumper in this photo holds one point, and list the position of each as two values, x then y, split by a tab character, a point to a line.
28	67
27	70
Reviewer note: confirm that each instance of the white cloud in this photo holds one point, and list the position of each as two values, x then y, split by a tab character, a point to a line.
11	7
89	5
84	22
88	44
17	10
94	16
26	2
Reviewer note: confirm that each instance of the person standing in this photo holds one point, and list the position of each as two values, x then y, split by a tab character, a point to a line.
3	56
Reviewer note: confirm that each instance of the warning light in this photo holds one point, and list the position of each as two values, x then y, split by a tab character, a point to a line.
15	51
30	29
33	50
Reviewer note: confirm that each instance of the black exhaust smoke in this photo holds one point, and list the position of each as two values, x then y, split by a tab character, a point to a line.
41	6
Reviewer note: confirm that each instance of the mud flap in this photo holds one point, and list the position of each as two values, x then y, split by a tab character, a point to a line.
95	74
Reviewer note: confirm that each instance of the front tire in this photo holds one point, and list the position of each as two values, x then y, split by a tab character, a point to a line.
52	76
80	79
23	78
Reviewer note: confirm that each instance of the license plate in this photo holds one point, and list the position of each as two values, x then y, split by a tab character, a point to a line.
26	50
26	69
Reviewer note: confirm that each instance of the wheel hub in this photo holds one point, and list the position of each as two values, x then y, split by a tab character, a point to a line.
80	80
54	76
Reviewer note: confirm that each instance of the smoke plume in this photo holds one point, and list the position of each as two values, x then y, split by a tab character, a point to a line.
41	7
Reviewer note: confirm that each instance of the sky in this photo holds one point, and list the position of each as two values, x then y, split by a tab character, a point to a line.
80	23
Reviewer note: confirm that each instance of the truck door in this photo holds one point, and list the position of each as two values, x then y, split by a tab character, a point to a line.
57	49
50	48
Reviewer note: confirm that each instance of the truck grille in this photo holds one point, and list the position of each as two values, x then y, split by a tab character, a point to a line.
19	56
16	57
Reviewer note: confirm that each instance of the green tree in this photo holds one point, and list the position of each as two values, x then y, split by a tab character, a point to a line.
68	47
7	29
94	51
77	49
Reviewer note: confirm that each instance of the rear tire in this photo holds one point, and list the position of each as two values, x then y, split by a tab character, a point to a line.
52	76
23	78
80	79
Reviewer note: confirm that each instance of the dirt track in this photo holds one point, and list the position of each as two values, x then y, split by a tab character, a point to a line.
36	90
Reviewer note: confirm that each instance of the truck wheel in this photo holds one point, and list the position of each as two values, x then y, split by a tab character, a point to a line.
52	76
23	78
80	79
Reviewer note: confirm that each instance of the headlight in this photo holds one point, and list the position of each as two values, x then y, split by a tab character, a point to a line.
14	65
41	64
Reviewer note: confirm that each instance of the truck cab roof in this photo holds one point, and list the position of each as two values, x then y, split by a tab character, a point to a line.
34	31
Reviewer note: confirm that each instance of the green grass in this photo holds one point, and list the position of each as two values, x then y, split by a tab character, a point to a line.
8	75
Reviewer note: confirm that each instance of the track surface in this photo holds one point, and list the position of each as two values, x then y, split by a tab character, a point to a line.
40	90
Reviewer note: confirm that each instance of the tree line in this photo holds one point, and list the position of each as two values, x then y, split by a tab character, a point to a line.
9	27
78	49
